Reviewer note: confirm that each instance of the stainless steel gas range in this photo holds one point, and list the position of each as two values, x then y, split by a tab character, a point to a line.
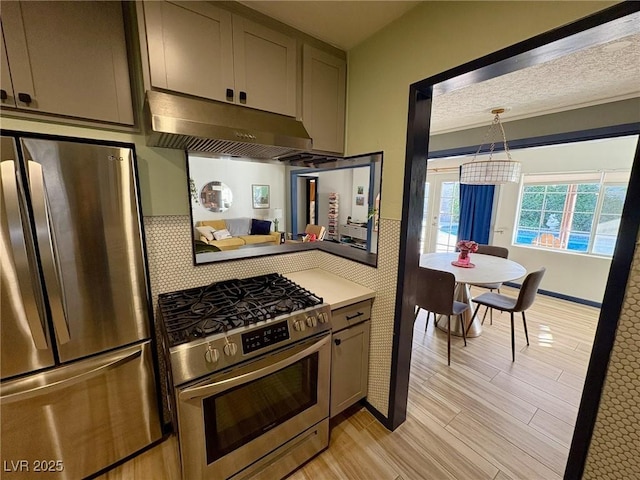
249	372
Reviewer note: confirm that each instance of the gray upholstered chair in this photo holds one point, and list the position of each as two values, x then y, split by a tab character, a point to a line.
501	252
504	303
435	295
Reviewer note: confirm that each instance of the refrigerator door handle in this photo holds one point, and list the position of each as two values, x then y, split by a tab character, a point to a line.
19	260
94	371
46	246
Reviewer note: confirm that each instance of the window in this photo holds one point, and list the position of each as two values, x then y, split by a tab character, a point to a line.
425	219
578	212
448	217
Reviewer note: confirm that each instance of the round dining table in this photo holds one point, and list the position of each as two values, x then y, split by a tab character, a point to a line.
488	269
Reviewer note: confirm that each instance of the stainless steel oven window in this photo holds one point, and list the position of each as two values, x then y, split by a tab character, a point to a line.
237	416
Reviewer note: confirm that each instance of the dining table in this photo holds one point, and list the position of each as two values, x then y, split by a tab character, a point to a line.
483	269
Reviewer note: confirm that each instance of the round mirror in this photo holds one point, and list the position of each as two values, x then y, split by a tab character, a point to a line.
216	197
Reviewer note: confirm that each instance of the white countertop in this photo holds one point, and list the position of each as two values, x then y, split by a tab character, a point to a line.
334	290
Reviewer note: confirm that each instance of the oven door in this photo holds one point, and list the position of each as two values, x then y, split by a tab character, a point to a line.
231	419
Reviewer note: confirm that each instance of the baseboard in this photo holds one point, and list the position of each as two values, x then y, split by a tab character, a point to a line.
380	417
561	296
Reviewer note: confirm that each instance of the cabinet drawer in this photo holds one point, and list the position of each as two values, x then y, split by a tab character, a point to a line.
350	315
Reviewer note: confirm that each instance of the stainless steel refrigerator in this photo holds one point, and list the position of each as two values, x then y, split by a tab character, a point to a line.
78	389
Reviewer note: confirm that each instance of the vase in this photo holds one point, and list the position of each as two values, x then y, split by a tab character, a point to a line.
463	257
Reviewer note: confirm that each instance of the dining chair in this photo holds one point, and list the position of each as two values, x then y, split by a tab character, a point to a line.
318	230
512	305
435	294
494	251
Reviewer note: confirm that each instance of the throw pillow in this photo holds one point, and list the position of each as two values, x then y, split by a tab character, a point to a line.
260	227
206	232
221	234
238	226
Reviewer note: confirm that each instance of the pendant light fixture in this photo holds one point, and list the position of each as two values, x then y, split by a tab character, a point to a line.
491	172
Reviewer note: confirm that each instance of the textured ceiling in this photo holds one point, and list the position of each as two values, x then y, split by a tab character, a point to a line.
602	74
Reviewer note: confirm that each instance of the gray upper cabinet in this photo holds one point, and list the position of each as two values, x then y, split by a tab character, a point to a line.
67	58
264	64
323	99
199	49
7	98
190	48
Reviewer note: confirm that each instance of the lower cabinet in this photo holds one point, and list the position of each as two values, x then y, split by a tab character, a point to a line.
350	355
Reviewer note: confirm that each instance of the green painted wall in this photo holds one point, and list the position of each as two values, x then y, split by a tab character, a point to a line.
430	39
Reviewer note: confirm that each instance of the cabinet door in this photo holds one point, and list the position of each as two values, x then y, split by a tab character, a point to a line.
323	99
17	74
5	80
264	64
349	367
190	48
70	58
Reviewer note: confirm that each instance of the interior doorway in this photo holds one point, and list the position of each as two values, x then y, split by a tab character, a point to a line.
441	217
311	202
525	54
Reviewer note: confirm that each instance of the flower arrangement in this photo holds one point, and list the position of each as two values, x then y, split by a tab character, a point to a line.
468	245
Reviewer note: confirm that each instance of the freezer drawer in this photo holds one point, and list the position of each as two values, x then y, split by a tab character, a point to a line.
79	418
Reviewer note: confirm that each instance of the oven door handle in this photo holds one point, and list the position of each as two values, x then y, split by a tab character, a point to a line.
214	388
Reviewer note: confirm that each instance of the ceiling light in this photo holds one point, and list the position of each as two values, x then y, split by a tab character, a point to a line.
491	172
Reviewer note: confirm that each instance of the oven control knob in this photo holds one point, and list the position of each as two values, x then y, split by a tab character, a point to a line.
230	349
299	325
323	317
212	355
312	321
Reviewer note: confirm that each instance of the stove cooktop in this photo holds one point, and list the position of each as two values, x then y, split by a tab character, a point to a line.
223	306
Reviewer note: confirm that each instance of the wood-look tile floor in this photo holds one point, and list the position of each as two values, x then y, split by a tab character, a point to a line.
483	417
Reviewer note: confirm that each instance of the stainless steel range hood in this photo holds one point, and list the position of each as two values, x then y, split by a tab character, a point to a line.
198	125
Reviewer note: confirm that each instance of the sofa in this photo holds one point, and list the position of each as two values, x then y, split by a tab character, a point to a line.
234	233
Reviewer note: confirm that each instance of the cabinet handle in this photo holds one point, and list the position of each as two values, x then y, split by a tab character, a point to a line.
3	94
24	98
243	97
337	341
230	94
359	314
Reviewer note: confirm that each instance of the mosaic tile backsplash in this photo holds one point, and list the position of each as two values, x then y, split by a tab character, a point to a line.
615	445
171	268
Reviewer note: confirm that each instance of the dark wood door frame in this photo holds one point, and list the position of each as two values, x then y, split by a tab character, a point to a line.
541	48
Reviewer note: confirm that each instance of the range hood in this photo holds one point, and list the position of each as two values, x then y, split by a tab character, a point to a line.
198	125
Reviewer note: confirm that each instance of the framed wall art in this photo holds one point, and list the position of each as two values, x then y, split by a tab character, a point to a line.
260	196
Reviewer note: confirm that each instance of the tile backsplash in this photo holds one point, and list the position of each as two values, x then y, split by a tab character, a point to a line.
171	268
613	453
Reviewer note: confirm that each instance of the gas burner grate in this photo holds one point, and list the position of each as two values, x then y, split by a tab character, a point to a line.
223	306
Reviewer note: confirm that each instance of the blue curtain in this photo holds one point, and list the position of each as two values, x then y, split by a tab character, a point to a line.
476	204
